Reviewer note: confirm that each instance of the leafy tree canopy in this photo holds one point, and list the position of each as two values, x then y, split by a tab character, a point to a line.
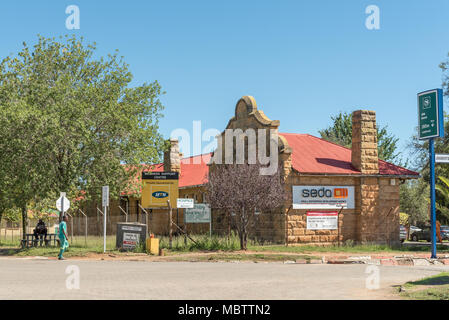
340	132
70	121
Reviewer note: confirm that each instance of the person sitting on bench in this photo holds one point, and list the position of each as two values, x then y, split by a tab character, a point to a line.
40	230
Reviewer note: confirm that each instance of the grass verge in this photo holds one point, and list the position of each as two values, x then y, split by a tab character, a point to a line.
347	248
223	256
430	288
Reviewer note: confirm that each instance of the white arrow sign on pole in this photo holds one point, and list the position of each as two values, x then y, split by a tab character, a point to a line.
442	158
63	203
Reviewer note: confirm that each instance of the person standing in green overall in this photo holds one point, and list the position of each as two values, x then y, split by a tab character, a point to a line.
63	239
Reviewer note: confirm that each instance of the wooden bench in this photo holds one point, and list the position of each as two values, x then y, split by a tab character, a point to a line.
31	241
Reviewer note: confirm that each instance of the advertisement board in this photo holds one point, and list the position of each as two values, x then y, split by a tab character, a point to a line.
158	187
323	197
200	213
322	220
183	203
130	240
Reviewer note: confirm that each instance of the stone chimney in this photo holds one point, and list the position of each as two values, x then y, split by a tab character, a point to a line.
364	142
172	157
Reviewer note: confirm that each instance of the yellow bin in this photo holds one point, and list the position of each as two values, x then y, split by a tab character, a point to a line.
153	246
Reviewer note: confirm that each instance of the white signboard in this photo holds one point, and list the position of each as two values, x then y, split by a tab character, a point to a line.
442	158
322	220
130	240
183	203
323	197
200	213
131	228
63	201
105	196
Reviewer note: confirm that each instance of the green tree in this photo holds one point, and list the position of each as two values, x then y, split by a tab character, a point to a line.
442	205
340	132
71	121
414	201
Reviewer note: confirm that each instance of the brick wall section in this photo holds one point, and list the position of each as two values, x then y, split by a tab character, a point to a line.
364	142
297	232
379	213
172	157
374	219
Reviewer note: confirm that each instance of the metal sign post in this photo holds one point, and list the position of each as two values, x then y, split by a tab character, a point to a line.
105	202
433	217
62	206
430	126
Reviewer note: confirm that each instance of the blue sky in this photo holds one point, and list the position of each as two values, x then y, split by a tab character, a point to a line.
302	60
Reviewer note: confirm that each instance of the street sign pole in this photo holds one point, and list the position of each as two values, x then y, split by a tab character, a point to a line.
104	230
105	202
62	195
62	210
432	198
431	126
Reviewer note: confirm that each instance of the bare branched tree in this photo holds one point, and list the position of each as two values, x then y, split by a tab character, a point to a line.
240	189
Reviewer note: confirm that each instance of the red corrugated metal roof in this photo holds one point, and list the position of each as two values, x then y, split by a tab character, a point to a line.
309	155
194	170
315	155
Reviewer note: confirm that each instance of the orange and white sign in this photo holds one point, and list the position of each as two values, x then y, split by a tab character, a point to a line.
323	197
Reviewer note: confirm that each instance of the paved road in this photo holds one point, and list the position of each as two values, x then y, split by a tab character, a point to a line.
46	279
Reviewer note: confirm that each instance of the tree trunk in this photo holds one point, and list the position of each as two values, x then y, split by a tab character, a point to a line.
243	232
24	222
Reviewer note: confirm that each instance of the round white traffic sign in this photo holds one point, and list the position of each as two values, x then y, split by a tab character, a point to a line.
65	201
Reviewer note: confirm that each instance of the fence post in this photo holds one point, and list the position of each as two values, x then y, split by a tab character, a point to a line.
85	234
71	227
170	239
146	219
126	215
102	214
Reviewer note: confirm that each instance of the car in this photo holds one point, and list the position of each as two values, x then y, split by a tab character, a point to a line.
414	228
402	233
444	234
422	234
425	234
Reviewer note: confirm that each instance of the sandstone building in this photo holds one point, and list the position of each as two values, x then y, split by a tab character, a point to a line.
308	163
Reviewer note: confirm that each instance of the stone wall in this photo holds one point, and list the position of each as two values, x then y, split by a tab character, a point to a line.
374	219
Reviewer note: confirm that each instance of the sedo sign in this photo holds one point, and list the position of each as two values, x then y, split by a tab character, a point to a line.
323	197
430	114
